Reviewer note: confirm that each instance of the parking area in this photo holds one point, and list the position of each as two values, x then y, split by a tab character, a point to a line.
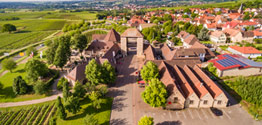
231	115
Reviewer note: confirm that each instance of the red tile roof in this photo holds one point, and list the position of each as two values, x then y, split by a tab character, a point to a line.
196	84
213	89
246	50
183	82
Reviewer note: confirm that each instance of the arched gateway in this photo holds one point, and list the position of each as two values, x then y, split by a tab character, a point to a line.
132	41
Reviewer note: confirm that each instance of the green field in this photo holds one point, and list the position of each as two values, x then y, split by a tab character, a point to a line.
102	115
51	15
7	94
32	27
31	114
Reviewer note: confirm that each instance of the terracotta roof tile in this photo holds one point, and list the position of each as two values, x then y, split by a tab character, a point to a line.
112	36
196	84
132	32
246	50
213	89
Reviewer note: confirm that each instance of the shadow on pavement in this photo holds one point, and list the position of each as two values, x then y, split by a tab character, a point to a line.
170	123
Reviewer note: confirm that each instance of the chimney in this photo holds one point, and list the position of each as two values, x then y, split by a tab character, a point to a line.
201	84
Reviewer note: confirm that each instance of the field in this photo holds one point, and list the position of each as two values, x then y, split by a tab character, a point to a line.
33	114
32	27
7	94
102	115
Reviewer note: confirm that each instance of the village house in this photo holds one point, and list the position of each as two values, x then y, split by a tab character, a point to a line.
234	35
104	47
145	25
236	65
248	52
248	36
218	37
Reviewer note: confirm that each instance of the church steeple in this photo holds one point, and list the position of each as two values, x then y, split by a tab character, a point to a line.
240	10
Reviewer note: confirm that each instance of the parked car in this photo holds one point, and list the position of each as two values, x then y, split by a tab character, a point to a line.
216	111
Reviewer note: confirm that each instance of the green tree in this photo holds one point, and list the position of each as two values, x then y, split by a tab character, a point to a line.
155	94
30	50
186	25
109	75
80	42
51	51
66	90
79	90
96	101
187	10
167	17
146	121
8	28
35	69
19	86
149	71
72	104
61	82
63	52
1	86
8	64
102	89
93	72
60	108
203	34
193	15
90	120
40	87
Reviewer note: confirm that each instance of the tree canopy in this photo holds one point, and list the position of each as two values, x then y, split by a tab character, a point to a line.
109	75
35	69
60	108
19	86
93	72
40	87
146	121
155	94
8	28
8	64
149	71
63	52
203	34
80	42
79	90
72	104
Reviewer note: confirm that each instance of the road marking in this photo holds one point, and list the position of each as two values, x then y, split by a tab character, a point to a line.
202	110
226	113
212	114
170	115
198	114
177	115
190	113
184	113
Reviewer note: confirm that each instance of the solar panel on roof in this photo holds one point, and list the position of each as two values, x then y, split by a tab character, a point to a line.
235	60
226	62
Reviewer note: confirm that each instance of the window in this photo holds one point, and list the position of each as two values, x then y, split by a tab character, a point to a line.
205	102
219	102
175	100
191	102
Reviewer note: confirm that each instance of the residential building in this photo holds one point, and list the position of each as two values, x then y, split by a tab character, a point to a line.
248	52
218	37
248	36
234	35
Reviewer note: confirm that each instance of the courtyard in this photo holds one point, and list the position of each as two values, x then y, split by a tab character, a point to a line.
128	106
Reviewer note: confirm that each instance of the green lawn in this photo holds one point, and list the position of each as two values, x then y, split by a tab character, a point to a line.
7	94
206	42
103	114
223	47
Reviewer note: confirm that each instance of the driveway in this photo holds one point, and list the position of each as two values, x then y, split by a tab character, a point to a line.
122	108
